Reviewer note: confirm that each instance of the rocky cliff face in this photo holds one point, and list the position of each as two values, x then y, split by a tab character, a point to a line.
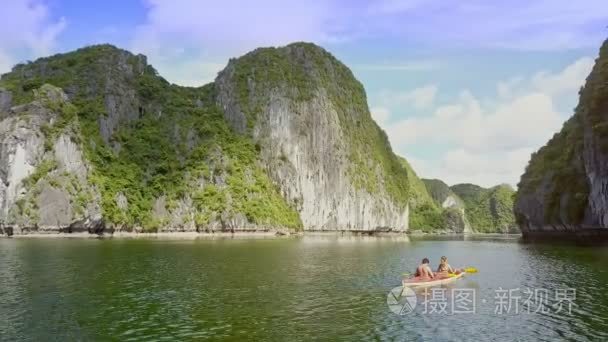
309	116
564	188
425	214
136	152
442	194
44	175
95	140
453	207
469	208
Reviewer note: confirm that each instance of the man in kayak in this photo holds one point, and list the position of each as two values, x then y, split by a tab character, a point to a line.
424	270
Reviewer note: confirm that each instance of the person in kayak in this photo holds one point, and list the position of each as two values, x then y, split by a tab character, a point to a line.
444	267
424	270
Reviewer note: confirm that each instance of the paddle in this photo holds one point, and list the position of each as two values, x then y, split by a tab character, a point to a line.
466	270
471	270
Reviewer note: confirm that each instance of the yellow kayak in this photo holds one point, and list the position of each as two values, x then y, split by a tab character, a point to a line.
438	280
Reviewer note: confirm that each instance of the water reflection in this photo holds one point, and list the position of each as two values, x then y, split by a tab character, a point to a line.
330	238
323	286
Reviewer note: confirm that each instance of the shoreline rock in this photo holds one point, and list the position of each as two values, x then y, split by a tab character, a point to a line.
9	232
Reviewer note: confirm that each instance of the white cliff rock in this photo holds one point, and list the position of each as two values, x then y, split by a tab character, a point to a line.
307	153
21	148
46	203
312	168
6	99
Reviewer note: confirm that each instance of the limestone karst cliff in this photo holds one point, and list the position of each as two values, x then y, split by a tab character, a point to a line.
453	209
44	174
564	190
310	119
96	140
425	214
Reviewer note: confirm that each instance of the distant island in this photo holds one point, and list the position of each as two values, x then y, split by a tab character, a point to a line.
96	141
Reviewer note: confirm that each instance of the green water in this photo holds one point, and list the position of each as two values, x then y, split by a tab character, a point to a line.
283	289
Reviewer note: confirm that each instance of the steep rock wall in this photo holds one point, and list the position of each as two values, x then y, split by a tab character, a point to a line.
564	190
453	207
44	176
305	123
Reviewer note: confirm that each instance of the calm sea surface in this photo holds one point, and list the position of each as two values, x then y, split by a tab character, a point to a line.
304	288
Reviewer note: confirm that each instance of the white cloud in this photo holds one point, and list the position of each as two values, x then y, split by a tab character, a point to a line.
487	144
233	22
27	30
193	73
181	35
505	89
422	65
516	24
549	24
5	62
395	6
205	32
380	115
422	97
565	82
485	169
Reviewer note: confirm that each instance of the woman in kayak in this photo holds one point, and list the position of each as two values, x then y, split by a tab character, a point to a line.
445	267
424	270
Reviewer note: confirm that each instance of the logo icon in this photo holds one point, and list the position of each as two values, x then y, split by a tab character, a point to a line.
401	300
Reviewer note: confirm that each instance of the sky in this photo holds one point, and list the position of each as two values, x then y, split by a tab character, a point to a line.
466	90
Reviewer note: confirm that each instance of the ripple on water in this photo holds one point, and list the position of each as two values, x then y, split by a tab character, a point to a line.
287	289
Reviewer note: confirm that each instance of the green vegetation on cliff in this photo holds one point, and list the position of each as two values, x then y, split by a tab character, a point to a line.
560	161
469	193
440	191
161	153
556	172
174	143
488	210
594	98
425	214
301	71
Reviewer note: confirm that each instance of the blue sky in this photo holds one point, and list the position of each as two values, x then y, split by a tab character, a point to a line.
466	90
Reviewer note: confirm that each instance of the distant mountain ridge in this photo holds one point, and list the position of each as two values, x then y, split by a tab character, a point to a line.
488	210
462	208
443	194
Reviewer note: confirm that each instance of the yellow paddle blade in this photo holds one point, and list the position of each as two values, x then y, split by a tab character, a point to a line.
452	275
471	270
